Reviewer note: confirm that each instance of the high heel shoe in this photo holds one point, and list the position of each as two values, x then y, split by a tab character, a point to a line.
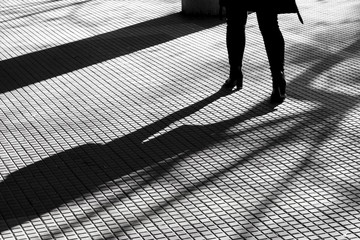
230	83
278	94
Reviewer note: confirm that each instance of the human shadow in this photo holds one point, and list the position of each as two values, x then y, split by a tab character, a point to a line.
41	65
45	185
314	126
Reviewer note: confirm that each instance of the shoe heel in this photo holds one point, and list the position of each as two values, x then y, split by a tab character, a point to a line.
230	83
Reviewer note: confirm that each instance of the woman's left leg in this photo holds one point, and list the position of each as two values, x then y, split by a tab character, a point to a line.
275	49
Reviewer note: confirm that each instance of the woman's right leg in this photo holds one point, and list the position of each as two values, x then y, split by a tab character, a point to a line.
236	17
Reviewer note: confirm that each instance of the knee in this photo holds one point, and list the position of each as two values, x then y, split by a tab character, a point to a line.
269	29
268	24
233	25
235	17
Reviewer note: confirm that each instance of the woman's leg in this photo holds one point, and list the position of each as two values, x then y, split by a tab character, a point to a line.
273	39
236	18
275	49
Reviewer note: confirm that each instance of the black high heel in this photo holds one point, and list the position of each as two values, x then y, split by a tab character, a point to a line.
278	94
230	83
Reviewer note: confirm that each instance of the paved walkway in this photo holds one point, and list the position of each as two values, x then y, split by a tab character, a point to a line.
112	125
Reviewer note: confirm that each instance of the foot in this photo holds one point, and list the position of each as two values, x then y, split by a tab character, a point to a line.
230	83
278	95
279	88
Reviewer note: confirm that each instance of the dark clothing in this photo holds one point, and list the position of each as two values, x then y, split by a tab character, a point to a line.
278	6
274	6
268	23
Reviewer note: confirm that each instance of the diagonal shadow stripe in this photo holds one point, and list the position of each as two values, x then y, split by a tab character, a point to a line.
38	66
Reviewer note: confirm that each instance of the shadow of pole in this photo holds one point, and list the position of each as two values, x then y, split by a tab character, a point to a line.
38	66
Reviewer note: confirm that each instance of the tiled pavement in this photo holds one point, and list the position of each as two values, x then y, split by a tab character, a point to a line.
112	125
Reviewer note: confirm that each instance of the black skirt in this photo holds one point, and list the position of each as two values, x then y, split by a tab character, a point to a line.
276	6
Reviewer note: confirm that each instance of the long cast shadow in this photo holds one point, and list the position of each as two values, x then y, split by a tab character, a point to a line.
47	184
38	66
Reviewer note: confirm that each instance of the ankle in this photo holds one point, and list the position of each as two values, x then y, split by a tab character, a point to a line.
278	79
